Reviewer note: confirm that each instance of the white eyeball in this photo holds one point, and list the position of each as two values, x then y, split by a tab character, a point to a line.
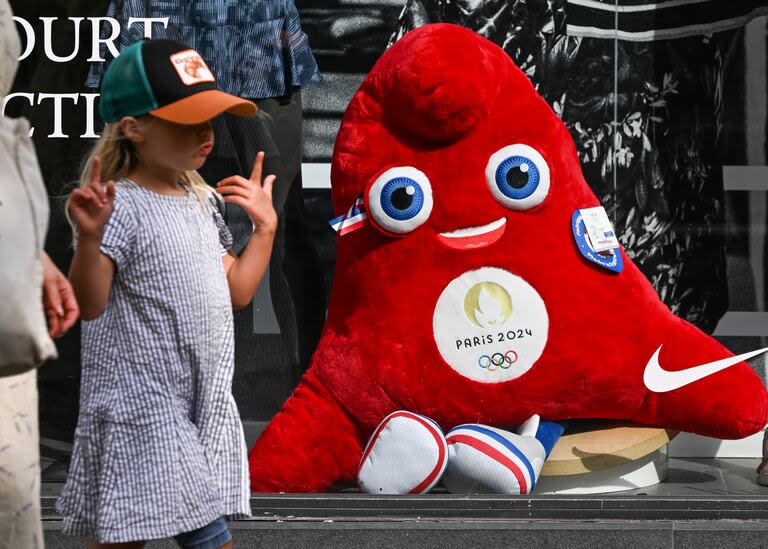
518	177
400	200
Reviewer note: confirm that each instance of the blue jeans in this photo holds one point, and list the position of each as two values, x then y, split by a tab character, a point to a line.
211	536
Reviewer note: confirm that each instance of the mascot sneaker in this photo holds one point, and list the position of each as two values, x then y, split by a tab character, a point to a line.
407	454
486	460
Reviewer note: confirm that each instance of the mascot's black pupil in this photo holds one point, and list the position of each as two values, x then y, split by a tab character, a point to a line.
517	178
401	199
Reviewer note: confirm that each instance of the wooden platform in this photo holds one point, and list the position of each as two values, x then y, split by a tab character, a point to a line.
591	446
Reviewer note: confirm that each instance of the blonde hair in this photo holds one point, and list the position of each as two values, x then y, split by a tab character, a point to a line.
119	159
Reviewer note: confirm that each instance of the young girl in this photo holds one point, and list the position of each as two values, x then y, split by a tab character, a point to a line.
159	448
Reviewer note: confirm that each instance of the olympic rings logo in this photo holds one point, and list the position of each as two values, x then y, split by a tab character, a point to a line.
497	360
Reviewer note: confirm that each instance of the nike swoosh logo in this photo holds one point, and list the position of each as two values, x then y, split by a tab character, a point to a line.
659	380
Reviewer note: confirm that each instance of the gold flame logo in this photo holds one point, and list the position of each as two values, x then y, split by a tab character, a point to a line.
487	305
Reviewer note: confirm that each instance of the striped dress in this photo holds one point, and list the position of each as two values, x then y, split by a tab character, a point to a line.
159	447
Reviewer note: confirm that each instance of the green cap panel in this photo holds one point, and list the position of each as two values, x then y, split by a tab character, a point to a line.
125	89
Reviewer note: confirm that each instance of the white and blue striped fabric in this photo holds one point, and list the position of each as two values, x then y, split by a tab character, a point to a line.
487	460
255	48
159	447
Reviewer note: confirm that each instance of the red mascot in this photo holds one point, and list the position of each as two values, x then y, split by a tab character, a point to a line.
465	289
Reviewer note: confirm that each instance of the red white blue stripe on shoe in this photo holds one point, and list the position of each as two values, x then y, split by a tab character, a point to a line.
484	459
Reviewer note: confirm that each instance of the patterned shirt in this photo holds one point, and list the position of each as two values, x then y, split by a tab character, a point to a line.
256	48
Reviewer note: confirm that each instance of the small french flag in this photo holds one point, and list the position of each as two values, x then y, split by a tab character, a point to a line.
352	220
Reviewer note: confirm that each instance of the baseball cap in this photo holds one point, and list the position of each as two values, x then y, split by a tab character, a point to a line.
166	79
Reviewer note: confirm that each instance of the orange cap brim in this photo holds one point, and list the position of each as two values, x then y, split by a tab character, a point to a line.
204	106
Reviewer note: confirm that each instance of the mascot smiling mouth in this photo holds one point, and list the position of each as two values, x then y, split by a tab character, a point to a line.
474	237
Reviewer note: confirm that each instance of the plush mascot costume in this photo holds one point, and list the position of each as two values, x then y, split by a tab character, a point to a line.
465	290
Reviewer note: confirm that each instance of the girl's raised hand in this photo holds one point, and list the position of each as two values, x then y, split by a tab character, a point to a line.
253	196
91	206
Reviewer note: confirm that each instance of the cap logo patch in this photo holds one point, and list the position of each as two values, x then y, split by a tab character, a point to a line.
191	68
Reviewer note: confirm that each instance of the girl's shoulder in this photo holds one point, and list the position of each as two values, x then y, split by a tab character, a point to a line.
124	184
127	194
127	204
126	190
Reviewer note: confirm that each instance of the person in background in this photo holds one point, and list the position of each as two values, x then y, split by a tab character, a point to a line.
31	289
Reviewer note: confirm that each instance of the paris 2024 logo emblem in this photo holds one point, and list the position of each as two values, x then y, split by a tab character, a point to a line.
490	325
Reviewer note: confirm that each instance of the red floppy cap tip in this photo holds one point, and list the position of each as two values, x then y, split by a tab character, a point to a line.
438	88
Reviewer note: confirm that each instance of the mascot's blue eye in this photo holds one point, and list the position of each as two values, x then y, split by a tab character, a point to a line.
402	198
518	177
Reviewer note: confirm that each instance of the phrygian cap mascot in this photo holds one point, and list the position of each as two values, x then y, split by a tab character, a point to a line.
463	290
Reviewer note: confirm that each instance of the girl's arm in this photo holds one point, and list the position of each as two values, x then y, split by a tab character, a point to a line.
91	277
91	271
245	273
